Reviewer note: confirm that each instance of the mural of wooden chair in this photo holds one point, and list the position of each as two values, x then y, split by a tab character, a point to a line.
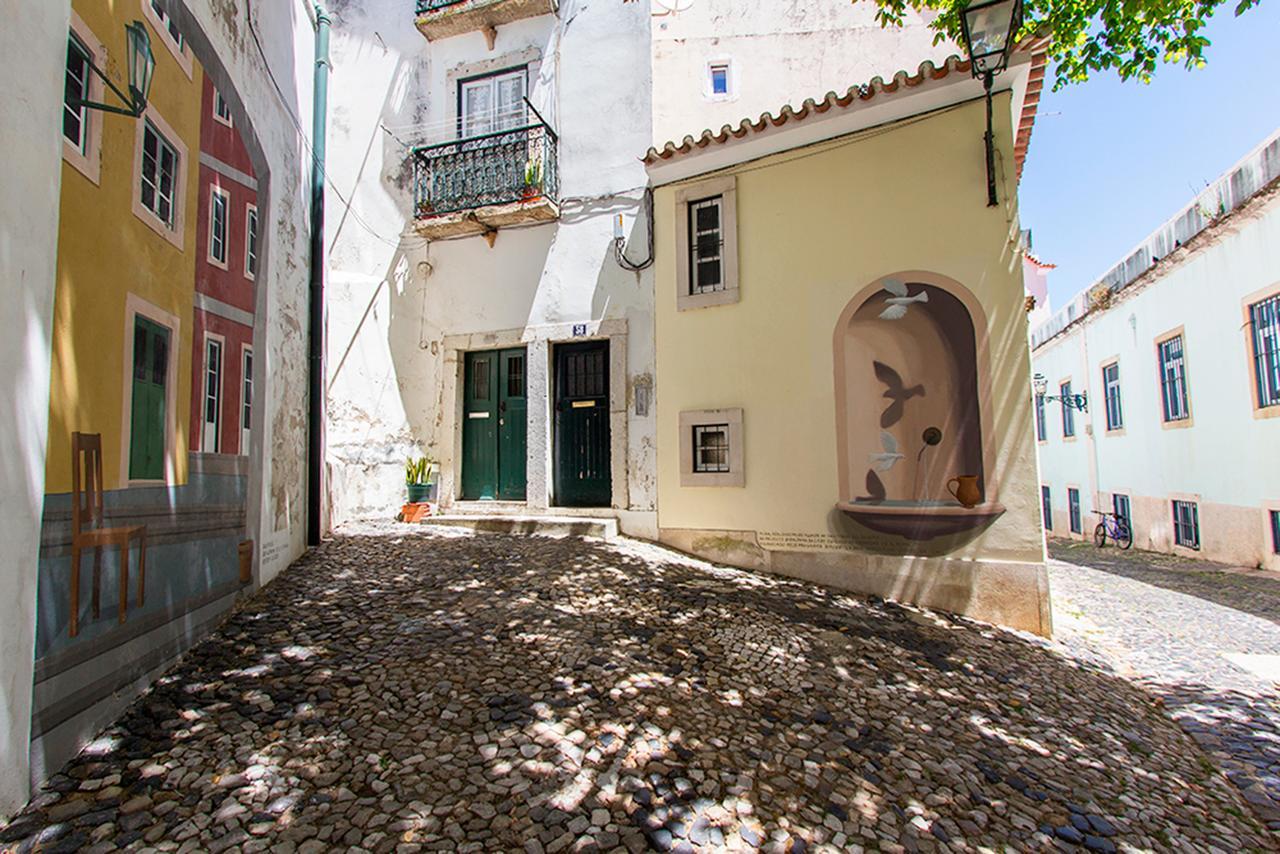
87	529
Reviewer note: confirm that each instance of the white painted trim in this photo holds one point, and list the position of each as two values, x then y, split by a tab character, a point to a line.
135	306
217	97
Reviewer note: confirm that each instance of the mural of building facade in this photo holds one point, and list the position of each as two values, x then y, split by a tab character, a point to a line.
842	351
147	530
1182	432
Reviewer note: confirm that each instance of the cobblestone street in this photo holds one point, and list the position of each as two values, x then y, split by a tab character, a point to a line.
1204	640
405	690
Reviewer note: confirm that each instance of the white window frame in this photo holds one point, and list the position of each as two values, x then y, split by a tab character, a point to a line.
735	476
174	232
727	189
251	254
87	158
216	194
246	398
496	123
221	109
730	79
211	444
161	22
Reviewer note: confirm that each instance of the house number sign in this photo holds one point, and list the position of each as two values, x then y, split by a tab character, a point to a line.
579	330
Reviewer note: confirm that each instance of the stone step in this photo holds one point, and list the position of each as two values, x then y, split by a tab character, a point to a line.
542	526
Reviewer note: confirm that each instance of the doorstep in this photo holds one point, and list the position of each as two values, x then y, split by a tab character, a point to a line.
542	526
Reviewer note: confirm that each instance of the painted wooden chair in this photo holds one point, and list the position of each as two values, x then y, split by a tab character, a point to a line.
87	529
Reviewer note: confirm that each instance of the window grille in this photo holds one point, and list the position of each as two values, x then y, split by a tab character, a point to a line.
1173	380
1111	388
1264	318
1068	414
1073	509
711	448
1186	524
706	236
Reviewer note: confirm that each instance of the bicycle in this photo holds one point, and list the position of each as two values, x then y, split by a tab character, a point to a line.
1115	527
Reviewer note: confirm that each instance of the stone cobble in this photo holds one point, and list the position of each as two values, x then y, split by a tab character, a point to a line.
404	690
1154	626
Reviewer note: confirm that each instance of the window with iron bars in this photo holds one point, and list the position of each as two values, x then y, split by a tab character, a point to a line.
1186	524
706	238
711	448
1173	380
1264	320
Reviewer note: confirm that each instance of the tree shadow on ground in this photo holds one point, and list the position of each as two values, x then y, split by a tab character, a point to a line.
1258	595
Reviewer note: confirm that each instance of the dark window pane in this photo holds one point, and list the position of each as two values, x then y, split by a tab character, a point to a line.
708	275
515	376
708	218
480	379
139	352
160	358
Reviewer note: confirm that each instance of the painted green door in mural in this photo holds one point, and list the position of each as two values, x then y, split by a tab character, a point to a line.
494	425
150	374
582	477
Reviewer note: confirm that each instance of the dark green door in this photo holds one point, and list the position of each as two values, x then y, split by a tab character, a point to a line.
150	373
494	425
582	425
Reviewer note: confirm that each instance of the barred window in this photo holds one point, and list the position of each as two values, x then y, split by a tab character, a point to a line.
711	448
706	238
1186	524
1120	506
1264	319
1173	380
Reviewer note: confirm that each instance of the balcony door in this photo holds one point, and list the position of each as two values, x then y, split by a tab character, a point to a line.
493	103
494	426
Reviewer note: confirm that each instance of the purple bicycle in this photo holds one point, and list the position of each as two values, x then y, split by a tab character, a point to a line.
1113	526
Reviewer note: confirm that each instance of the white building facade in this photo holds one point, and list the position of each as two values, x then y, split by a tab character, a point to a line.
1178	352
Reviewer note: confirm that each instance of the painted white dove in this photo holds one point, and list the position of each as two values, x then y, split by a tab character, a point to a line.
889	458
897	301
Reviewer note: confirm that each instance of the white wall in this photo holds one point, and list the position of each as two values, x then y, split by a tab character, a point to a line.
780	52
1227	459
395	298
33	46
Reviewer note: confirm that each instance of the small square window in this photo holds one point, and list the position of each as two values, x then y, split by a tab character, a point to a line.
720	79
711	448
1186	524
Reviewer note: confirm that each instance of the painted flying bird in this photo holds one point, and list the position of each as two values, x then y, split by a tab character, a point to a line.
894	391
889	458
897	301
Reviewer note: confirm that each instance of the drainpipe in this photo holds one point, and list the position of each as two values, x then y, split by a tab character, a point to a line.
315	423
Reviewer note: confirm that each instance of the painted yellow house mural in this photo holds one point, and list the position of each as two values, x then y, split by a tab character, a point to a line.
842	387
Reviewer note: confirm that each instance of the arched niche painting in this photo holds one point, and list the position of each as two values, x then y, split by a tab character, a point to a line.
908	396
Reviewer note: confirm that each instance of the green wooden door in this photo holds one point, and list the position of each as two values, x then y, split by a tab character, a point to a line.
150	374
582	476
494	425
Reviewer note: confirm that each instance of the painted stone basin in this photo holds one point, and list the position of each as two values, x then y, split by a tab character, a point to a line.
920	520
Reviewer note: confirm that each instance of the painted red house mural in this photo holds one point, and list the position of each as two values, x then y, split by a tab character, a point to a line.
226	266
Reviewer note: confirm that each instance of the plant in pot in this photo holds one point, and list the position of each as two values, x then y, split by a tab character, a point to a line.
532	179
417	478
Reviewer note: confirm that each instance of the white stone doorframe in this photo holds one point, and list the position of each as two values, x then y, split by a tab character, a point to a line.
538	340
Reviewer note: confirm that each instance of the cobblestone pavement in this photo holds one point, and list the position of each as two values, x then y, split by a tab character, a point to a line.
1177	645
1252	591
404	690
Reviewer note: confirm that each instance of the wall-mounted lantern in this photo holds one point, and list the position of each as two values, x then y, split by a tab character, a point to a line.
142	65
1071	401
989	29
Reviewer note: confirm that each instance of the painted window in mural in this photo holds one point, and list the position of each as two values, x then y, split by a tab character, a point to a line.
711	448
1073	510
221	109
75	119
251	242
147	421
1111	390
1173	380
1186	524
246	398
1042	430
1264	318
706	239
1068	414
1046	507
219	202
212	420
174	32
1120	506
159	174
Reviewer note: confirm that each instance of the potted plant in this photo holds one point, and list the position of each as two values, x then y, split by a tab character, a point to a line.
532	179
417	478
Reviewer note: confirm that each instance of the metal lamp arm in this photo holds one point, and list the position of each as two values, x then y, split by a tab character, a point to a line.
135	109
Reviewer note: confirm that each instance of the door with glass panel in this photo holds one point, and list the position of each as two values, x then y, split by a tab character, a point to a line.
494	425
147	407
212	410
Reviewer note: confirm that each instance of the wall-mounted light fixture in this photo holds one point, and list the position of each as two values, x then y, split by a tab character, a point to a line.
142	65
988	29
1070	401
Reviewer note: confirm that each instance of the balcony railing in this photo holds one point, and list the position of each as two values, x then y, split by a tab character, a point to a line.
425	6
502	178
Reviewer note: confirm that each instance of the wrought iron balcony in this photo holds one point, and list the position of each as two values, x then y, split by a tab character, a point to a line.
439	19
479	184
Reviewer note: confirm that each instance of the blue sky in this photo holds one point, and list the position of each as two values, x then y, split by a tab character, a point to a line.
1111	161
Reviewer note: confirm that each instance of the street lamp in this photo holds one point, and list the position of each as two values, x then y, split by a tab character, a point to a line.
1070	401
142	65
988	29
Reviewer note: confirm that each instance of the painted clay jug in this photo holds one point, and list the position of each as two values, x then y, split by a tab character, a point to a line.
966	489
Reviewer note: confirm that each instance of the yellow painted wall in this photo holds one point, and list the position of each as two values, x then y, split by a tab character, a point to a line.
815	227
106	252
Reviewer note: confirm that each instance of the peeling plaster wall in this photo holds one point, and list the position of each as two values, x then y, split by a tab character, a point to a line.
778	52
401	308
32	45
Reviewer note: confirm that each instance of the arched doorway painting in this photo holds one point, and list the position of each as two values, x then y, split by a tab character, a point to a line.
909	391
